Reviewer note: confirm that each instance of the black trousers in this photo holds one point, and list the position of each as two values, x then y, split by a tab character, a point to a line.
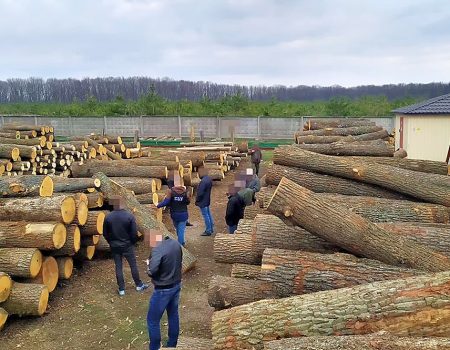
256	165
130	256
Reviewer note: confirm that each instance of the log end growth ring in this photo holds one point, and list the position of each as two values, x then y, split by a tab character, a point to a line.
90	250
67	268
68	209
82	213
59	235
50	273
100	220
155	198
15	153
43	301
3	317
46	189
76	239
5	287
36	263
97	183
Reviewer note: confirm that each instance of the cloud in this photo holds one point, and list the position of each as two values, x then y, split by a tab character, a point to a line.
322	42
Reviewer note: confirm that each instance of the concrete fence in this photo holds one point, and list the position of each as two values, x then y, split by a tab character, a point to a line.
178	126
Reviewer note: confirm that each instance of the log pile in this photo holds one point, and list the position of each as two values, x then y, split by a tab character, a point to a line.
338	248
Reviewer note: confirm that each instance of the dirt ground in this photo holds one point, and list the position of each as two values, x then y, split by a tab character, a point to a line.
86	312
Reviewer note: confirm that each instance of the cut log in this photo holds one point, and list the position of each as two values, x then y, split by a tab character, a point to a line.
251	211
9	152
23	127
215	174
41	141
155	212
234	249
26	185
96	145
323	123
95	200
144	221
352	130
138	185
89	168
48	275
376	148
251	272
94	223
102	246
85	253
360	342
73	242
10	134
415	306
3	318
65	267
147	198
264	196
29	152
351	231
428	187
225	292
27	299
313	139
5	287
7	164
21	234
245	226
296	272
65	184
145	161
326	183
57	208
87	241
20	262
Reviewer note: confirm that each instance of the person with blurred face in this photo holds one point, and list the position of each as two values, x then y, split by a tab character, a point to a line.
256	157
119	229
203	200
165	268
235	207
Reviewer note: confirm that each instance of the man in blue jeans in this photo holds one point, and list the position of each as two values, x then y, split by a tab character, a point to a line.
164	267
203	200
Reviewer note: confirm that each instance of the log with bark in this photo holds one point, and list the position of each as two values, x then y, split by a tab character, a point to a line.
377	148
138	185
26	185
245	226
73	242
7	164
144	221
428	187
57	208
415	306
65	184
326	183
146	161
95	200
20	262
323	123
247	271
85	253
352	130
297	272
350	231
102	246
3	317
264	195
22	234
89	168
9	152
376	341
48	275
87	241
251	211
40	141
5	286
27	299
225	292
65	267
313	139
147	198
94	223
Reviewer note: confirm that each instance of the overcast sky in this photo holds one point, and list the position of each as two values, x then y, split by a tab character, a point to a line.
258	42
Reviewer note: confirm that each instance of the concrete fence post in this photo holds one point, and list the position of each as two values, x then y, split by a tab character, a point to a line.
3	120
179	126
105	126
71	131
35	120
141	125
259	127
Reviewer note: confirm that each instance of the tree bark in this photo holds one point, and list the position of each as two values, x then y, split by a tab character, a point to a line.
326	183
247	271
87	241
48	275
144	221
73	242
20	262
313	139
225	292
27	299
94	223
21	234
377	148
428	187
251	211
360	342
41	141
85	253
232	249
9	152
147	198
138	185
245	226
57	208
352	130
102	245
89	168
215	174
26	185
65	267
146	161
95	200
297	272
3	318
264	196
66	184
415	306
323	123
351	231
5	287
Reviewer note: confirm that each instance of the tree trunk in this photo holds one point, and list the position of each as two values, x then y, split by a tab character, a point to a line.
65	267
21	234
146	161
251	211
155	212
232	249
89	168
27	299
41	141
87	241
251	272
376	148
10	134
216	174
3	318
225	292
26	185
197	158
85	253
57	208
415	306
29	152
73	242
144	221
352	130
94	223
23	127
350	231
96	145
138	185
424	166
360	342
102	245
245	226
95	200
264	196
187	343
297	272
313	139
428	187
9	152
5	287
326	183
65	184
323	123
20	262
48	275
7	164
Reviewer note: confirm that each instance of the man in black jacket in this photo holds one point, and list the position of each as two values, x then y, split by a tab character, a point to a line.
164	268
235	207
119	229
203	200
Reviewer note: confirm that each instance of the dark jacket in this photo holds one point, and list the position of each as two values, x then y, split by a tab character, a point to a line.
165	263
119	229
203	198
256	155
235	210
177	202
254	184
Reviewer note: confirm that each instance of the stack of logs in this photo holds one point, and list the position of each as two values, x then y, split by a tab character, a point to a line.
335	250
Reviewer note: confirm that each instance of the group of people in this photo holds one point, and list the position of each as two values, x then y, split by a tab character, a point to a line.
164	265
